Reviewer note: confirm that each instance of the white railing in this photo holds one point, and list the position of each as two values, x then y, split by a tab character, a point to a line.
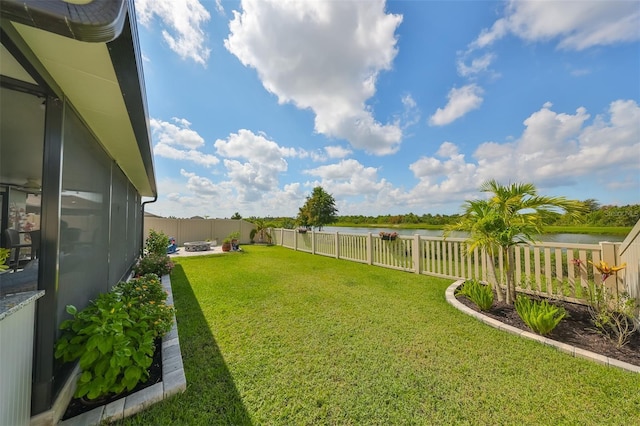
556	270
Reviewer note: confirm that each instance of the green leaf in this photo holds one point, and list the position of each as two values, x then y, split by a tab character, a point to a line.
82	390
105	345
72	309
85	377
88	358
133	372
93	342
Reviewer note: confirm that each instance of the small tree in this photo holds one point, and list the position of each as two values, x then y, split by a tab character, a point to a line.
236	216
261	230
512	215
319	209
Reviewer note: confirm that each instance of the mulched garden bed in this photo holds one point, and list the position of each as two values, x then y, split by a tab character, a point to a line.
575	329
78	406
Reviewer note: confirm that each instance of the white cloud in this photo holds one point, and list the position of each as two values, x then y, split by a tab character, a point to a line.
179	142
411	113
324	56
349	178
554	149
182	22
558	148
259	174
447	149
577	25
488	36
219	7
479	64
337	151
438	178
248	145
461	101
167	151
175	134
201	185
198	195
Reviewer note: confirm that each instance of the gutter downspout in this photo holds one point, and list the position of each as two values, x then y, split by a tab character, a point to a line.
155	198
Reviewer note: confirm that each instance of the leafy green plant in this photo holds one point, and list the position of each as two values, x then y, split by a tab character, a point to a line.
159	264
614	317
147	292
156	243
113	337
481	295
541	316
4	255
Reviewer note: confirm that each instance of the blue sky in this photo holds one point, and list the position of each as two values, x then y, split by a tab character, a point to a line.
393	107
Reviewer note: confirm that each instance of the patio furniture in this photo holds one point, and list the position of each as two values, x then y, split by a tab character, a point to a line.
13	243
197	246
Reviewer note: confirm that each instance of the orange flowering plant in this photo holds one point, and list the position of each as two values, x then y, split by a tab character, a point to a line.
614	317
606	270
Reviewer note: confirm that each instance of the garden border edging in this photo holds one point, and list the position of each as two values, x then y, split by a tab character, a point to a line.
563	347
173	381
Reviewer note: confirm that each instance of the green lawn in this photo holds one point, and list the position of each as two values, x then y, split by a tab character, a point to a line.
274	336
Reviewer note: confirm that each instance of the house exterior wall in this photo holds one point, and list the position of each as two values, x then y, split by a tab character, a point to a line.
98	225
96	161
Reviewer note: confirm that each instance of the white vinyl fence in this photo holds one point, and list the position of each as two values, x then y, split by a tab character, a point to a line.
555	270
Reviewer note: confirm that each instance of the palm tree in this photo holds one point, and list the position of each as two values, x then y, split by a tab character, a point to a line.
512	215
261	229
482	223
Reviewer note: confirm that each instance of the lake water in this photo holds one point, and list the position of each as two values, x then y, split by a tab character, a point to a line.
557	238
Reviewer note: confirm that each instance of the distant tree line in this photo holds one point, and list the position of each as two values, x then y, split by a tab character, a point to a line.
409	218
319	210
595	215
598	215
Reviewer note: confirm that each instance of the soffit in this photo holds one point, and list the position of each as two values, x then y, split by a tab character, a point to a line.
84	71
10	67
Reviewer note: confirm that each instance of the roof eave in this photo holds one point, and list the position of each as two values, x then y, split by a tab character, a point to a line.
106	22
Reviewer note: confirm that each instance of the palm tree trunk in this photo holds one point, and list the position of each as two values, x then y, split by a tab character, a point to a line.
493	277
509	259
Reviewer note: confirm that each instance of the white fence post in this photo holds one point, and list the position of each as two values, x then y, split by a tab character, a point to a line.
610	255
416	253
369	249
313	242
629	252
337	245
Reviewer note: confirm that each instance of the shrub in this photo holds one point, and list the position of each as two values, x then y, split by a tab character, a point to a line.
541	316
148	293
614	317
4	255
156	243
481	295
159	264
113	337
